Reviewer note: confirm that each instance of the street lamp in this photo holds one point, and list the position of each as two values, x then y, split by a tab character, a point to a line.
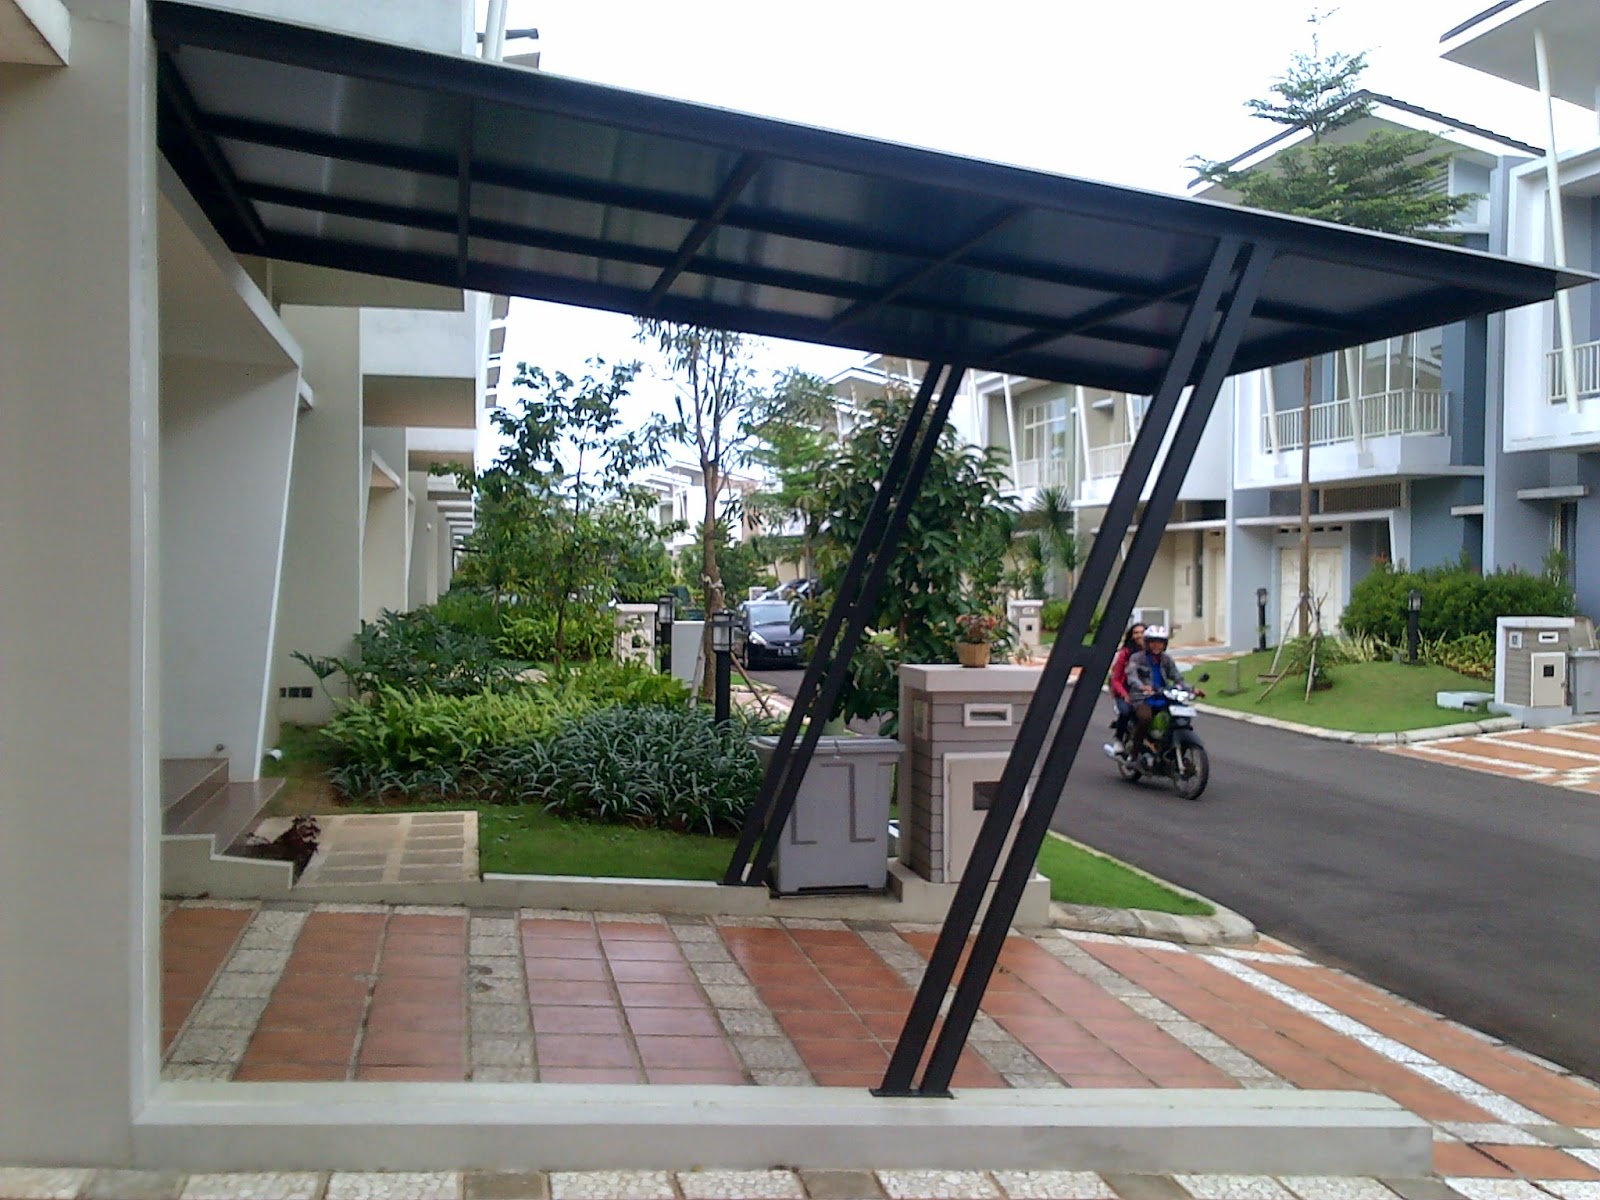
1413	616
666	605
722	648
1261	618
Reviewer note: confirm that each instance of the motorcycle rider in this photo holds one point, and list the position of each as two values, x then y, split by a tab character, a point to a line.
1132	641
1149	672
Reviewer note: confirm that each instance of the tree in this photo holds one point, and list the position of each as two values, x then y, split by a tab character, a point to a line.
1384	181
713	378
1051	526
951	560
558	526
793	438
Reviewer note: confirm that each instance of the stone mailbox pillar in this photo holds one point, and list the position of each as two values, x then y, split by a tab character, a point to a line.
636	633
958	724
1027	624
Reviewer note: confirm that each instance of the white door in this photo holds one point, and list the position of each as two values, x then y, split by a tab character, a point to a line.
1216	560
1327	586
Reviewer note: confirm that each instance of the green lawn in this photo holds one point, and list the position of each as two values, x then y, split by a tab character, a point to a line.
1377	697
526	840
1080	876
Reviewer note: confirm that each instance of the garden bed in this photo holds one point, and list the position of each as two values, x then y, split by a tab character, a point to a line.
1370	697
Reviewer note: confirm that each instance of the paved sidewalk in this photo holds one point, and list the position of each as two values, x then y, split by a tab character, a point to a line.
1565	756
284	992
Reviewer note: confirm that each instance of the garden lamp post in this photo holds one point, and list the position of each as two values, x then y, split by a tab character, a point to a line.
722	649
1413	616
665	605
1261	618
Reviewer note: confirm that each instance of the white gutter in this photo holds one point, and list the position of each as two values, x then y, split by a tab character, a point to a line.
1082	406
1352	364
494	32
1011	430
1558	232
1269	403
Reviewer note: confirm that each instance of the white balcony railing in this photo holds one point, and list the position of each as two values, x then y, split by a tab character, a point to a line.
1407	411
1106	462
1045	472
1586	362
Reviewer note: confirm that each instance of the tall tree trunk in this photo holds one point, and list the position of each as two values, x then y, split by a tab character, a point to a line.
1304	602
710	577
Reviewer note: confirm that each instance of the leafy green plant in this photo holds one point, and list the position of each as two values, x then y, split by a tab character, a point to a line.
420	651
671	768
531	636
1456	601
1472	654
1052	614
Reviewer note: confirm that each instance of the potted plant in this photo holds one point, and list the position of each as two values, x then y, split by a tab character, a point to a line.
976	638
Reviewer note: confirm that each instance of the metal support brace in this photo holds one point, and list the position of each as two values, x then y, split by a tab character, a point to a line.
1197	345
782	765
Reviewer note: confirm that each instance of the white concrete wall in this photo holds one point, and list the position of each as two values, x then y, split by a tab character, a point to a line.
427	24
386	531
319	605
79	688
428	527
413	343
227	437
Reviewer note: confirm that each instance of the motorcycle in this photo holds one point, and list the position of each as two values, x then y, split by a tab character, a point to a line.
1178	754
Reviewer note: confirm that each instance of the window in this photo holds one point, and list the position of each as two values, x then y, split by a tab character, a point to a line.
1564	538
1412	363
1044	431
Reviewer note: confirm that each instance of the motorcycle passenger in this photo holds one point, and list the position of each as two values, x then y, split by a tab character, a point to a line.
1149	672
1132	641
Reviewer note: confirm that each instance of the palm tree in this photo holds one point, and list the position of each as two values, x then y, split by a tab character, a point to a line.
1053	525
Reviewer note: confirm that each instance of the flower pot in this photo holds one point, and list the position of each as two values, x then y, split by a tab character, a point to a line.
973	654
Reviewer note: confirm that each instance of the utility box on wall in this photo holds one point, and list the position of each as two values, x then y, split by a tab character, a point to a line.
1026	623
1533	658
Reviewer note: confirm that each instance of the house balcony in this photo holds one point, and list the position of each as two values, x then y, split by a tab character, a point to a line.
1041	473
1586	365
1407	412
1402	434
1102	467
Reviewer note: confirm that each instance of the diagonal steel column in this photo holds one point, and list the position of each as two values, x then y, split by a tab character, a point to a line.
856	626
1066	653
870	541
1079	712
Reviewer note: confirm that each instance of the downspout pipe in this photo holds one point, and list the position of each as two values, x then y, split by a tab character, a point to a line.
494	32
1558	232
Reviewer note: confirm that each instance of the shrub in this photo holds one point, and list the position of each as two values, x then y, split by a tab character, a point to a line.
1457	602
405	731
421	651
1052	614
531	636
672	768
1470	655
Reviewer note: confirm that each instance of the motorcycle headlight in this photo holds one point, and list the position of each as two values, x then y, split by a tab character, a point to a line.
756	639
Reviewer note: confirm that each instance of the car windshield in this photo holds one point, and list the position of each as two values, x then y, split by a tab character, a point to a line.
769	614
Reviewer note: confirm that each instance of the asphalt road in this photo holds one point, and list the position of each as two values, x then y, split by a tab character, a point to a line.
1476	896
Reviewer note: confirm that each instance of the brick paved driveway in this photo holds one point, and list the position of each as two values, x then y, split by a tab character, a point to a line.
1567	756
372	992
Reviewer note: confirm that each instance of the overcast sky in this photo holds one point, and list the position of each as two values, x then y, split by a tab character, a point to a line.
1122	92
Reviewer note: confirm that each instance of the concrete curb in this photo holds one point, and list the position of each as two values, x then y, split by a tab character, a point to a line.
1403	737
1223	928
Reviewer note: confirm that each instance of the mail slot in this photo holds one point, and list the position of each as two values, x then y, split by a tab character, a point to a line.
985	714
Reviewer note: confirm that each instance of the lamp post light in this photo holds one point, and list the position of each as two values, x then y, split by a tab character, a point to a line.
666	605
722	649
1413	616
1261	618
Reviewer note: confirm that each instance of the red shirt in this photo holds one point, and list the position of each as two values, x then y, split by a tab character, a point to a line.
1119	672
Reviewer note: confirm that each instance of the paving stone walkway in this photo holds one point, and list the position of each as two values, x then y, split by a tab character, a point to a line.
20	1183
1566	756
390	848
372	992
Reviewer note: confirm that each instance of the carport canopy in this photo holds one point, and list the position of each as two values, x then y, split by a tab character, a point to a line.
318	147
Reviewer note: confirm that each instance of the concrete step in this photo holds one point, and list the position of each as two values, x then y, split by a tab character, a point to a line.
230	812
187	786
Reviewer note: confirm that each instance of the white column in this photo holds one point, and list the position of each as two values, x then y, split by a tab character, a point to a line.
227	438
319	607
427	528
1558	231
79	720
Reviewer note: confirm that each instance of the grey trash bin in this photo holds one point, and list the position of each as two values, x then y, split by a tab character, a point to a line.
837	836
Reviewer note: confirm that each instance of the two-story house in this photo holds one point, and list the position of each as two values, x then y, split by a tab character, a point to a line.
1397	429
1542	485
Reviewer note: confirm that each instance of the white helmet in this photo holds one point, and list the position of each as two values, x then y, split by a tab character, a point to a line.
1156	633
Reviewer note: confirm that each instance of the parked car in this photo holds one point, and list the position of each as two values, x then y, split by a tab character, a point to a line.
765	635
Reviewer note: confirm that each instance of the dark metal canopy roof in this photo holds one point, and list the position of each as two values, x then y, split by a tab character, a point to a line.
324	148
